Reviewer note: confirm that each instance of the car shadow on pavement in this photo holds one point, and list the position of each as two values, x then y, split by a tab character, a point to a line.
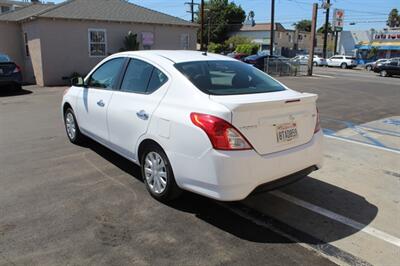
8	92
278	215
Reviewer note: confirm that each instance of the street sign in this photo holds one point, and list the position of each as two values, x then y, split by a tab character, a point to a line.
338	19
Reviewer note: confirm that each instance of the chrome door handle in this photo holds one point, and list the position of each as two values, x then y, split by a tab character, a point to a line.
101	103
142	115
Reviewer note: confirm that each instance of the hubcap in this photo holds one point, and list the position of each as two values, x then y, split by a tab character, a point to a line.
70	125
155	172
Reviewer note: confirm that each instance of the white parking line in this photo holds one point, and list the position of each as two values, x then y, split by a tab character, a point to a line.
363	144
323	76
337	217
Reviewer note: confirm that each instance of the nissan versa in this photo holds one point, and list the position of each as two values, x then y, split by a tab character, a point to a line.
194	121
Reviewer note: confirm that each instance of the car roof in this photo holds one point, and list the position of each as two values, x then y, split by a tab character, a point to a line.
180	56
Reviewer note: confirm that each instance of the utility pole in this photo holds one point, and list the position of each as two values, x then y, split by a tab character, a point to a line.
191	6
192	10
312	45
327	6
271	46
202	26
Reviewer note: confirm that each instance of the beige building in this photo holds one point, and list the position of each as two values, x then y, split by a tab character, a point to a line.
286	42
51	42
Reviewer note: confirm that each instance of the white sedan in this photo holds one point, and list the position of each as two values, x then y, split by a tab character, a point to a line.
194	121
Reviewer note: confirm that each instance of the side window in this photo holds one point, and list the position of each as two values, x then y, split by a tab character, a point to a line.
157	80
137	76
106	76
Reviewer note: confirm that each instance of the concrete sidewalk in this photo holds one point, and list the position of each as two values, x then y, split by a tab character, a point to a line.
353	203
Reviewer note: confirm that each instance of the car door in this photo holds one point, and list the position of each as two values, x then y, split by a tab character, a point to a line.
397	69
94	99
133	105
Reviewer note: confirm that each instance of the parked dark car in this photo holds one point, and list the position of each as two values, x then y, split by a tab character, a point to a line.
10	73
371	65
258	60
387	69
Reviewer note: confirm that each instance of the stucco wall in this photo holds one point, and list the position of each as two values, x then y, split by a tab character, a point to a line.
64	44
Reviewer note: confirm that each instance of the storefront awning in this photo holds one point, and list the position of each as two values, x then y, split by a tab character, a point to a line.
380	45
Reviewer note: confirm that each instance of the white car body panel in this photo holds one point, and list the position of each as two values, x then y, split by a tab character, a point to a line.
197	166
338	60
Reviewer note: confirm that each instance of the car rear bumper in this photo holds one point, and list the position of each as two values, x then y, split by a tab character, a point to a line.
12	79
233	175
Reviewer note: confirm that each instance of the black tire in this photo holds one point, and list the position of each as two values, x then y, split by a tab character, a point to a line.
171	190
78	138
368	68
384	73
315	64
343	65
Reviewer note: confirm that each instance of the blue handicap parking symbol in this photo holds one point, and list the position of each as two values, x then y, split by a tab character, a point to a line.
394	122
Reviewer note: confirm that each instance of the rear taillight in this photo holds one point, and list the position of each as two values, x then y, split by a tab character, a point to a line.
223	135
17	69
318	123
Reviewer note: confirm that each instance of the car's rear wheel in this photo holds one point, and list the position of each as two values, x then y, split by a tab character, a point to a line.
343	65
72	128
157	174
383	73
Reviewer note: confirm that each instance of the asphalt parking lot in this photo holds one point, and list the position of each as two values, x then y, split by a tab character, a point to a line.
62	204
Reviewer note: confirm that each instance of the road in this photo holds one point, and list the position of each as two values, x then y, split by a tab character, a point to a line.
349	95
64	204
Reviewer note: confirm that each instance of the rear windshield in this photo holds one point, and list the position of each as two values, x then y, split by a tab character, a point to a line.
4	58
228	77
350	57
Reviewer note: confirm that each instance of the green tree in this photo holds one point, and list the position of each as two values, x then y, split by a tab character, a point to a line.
130	42
322	28
247	48
393	19
303	25
372	53
225	16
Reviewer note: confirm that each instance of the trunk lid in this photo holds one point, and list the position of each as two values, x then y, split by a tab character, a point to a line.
262	117
7	68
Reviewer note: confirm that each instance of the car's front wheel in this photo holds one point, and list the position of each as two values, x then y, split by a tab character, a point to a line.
369	68
72	128
315	64
158	175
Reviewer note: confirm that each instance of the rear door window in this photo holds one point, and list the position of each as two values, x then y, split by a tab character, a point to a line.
142	77
228	78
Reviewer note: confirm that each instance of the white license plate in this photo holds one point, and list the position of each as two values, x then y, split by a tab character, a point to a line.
286	132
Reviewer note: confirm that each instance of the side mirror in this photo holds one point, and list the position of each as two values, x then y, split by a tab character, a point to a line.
78	82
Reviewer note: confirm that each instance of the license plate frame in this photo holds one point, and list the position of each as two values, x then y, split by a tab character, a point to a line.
286	132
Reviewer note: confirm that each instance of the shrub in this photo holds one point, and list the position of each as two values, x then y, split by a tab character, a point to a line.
215	48
236	40
247	48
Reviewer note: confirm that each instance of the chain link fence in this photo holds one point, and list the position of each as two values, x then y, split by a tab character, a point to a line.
284	67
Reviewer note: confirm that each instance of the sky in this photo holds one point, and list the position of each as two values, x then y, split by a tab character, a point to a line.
366	14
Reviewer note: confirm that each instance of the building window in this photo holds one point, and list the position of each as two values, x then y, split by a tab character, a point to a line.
185	41
5	9
97	42
26	44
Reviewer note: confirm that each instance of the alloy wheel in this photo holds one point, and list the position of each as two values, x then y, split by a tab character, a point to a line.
70	125
155	172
